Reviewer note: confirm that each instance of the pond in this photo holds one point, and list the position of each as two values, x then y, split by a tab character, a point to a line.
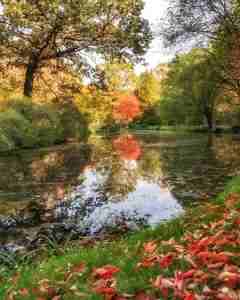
110	184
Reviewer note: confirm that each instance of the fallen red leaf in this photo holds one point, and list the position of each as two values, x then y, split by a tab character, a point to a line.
166	261
105	290
188	274
150	247
189	297
105	287
143	296
212	257
148	262
106	272
163	284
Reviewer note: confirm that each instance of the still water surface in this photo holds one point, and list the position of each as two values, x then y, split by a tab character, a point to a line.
116	181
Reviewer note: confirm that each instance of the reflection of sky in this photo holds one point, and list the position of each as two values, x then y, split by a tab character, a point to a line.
148	201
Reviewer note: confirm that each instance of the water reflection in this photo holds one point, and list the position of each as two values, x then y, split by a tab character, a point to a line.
116	194
123	181
44	176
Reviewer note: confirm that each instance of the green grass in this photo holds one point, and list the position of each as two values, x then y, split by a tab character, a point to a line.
232	187
122	252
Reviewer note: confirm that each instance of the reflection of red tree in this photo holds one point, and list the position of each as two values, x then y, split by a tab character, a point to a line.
127	147
127	109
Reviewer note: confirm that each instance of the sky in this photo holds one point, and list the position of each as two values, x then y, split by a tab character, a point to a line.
154	10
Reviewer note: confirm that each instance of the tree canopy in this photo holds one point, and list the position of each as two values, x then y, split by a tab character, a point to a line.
199	20
36	32
212	24
191	90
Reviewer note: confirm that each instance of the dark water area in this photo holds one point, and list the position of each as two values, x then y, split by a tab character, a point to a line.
113	183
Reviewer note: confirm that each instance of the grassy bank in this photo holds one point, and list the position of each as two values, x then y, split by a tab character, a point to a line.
195	257
25	124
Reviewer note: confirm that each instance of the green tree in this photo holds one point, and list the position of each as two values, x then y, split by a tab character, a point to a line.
208	22
32	33
148	89
191	90
200	20
96	105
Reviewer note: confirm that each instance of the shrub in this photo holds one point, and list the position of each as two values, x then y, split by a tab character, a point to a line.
6	144
43	119
75	125
17	129
24	123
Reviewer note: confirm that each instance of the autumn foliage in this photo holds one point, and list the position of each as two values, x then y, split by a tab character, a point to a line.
201	265
128	147
126	109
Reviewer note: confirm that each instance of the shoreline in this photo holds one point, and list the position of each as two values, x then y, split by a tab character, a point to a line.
123	252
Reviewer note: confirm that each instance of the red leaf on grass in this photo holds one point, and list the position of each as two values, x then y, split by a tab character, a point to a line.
189	297
163	284
148	262
179	281
106	272
213	257
188	274
106	287
105	290
150	247
166	261
200	245
230	279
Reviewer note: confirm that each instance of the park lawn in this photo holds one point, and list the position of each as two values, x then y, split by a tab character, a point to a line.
194	257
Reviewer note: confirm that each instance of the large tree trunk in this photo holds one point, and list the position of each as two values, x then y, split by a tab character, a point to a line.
30	75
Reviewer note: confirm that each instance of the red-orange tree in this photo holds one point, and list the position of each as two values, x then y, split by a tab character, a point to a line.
126	109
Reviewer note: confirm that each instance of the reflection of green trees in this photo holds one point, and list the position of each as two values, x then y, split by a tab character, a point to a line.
44	175
121	176
194	167
150	166
198	168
